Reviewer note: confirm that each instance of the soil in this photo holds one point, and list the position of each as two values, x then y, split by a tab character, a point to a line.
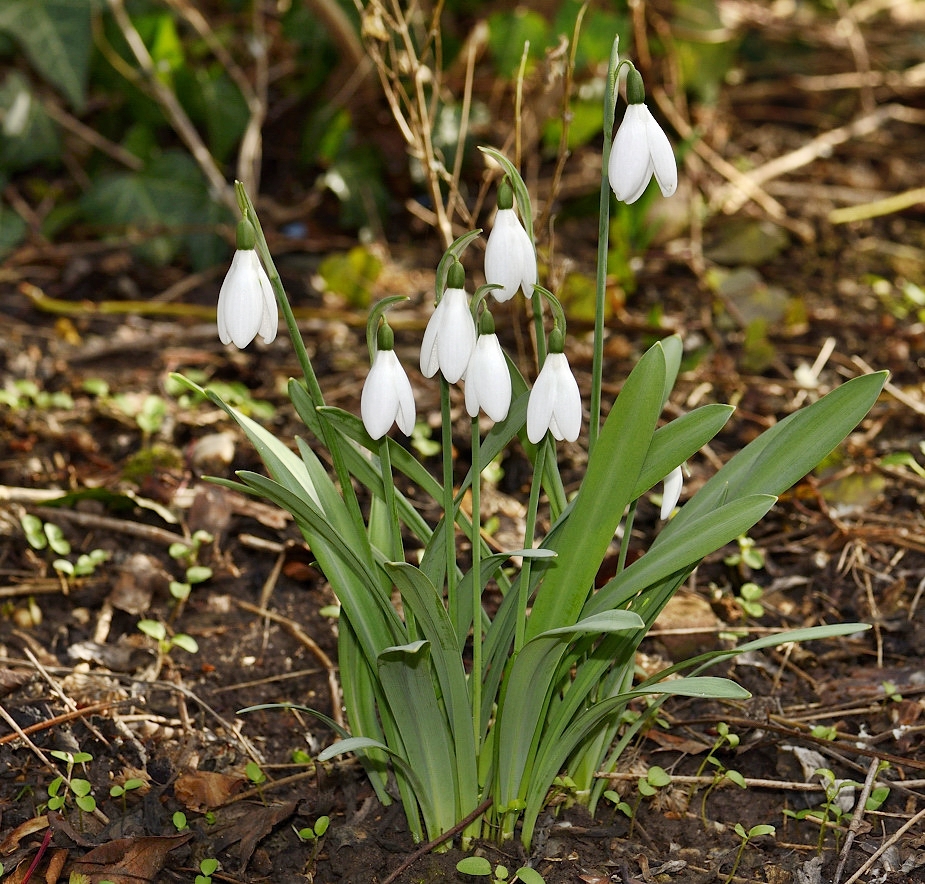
848	544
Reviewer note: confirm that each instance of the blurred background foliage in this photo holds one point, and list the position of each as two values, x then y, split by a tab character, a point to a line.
129	118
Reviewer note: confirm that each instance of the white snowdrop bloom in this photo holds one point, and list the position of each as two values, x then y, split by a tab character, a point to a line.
387	397
555	402
640	149
671	492
449	337
246	303
510	259
488	381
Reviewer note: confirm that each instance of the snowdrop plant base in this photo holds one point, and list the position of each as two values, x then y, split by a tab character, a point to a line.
552	670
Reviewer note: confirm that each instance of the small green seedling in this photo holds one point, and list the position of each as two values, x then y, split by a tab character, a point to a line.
44	535
753	832
481	867
207	867
749	599
314	835
832	811
725	737
62	786
128	786
253	772
23	393
166	643
618	802
748	558
656	778
179	820
824	732
188	555
85	565
892	692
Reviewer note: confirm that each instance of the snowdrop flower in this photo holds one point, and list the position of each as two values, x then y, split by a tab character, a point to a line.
510	258
555	401
640	149
488	381
246	303
387	396
449	338
672	485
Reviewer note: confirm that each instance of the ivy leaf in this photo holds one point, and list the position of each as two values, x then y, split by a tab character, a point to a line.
56	36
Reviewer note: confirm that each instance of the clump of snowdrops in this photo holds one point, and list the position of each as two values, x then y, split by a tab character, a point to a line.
460	714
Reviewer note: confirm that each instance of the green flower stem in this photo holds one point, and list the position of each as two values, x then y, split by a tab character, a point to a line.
523	586
537	300
449	506
627	531
475	678
603	234
396	550
305	363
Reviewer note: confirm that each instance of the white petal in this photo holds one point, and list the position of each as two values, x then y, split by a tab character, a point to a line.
664	164
629	166
673	483
510	259
406	411
387	397
429	361
542	401
455	334
566	418
269	324
488	380
240	302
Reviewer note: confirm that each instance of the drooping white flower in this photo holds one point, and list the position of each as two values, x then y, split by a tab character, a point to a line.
387	397
671	491
510	259
450	334
246	303
640	150
555	402
488	380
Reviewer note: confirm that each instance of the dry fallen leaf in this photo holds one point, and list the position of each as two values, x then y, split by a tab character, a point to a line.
204	790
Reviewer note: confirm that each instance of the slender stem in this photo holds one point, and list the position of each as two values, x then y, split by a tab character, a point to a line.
305	363
540	331
603	242
625	540
523	585
396	551
475	678
449	507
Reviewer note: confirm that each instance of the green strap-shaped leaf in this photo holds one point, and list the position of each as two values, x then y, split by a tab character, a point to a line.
408	682
551	755
432	619
606	490
526	694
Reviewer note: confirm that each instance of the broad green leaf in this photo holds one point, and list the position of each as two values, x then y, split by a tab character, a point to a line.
606	490
552	754
56	37
702	537
169	193
408	684
426	604
526	694
785	453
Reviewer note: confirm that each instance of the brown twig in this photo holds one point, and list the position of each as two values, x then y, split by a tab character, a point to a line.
440	839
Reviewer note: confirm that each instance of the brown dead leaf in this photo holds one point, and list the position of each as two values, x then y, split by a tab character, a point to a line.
247	824
203	790
129	860
12	839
